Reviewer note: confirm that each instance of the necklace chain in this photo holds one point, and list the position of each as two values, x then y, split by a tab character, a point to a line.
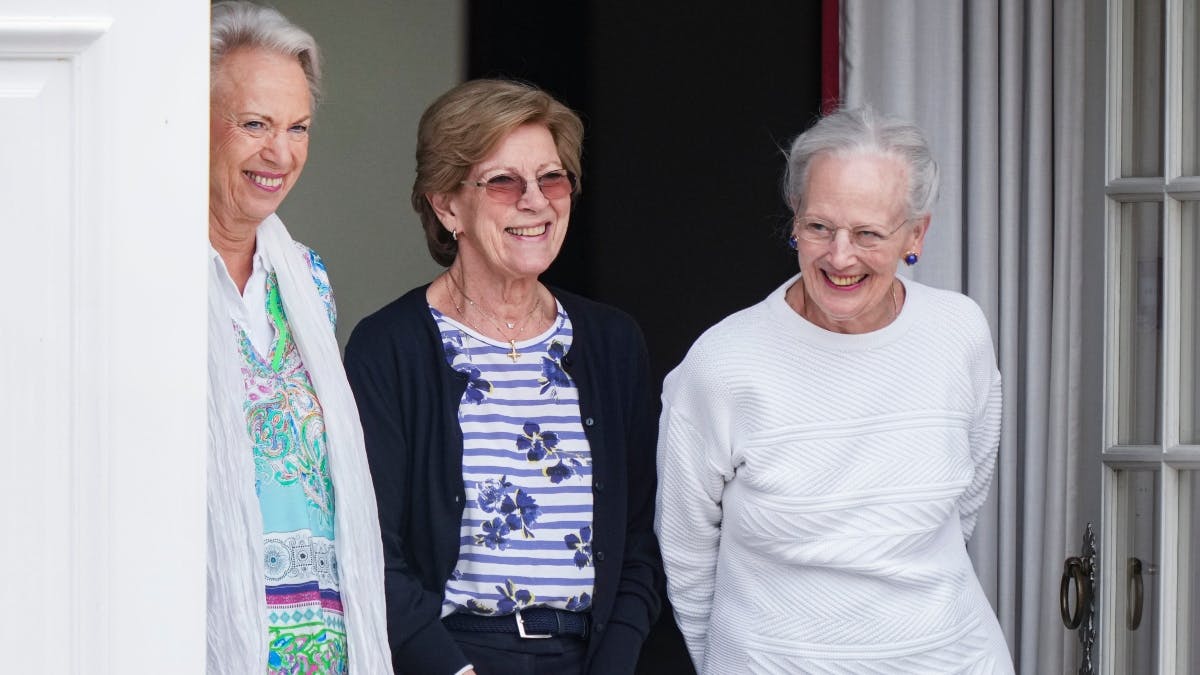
515	326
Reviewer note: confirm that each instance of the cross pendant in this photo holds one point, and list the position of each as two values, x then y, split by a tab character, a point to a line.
513	353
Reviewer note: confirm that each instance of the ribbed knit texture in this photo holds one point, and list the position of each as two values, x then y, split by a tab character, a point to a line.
816	489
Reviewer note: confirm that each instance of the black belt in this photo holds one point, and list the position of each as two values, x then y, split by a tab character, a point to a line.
534	622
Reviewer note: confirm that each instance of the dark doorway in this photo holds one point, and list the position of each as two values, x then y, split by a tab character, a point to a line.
687	108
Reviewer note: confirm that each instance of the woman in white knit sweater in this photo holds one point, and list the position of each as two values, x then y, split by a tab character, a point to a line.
823	455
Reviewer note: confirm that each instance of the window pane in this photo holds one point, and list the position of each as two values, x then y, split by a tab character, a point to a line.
1136	613
1140	324
1189	336
1141	89
1190	86
1189	572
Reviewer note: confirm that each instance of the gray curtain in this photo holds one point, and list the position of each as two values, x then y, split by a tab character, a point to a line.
998	86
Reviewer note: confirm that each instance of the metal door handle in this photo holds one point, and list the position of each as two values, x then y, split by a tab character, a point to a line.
1133	593
1073	570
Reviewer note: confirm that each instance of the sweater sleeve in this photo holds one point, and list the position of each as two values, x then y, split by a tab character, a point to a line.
693	467
984	434
419	642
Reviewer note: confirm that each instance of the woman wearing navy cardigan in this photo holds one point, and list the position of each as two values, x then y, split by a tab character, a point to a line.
510	427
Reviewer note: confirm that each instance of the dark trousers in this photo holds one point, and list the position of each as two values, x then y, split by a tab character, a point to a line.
505	654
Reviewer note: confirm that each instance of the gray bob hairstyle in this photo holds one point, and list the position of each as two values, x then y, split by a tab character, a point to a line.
238	23
862	130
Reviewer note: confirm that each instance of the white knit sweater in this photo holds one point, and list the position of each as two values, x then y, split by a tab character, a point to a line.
816	489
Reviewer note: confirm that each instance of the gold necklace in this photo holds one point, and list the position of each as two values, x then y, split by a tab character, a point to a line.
515	326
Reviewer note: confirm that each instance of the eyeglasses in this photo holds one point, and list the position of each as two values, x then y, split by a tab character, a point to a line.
508	188
866	238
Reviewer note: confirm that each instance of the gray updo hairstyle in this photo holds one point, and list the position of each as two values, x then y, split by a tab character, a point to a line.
863	130
238	23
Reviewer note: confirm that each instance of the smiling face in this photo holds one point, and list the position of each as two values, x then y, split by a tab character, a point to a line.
258	135
849	290
499	242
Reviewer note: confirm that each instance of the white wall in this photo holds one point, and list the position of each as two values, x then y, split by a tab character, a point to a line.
385	61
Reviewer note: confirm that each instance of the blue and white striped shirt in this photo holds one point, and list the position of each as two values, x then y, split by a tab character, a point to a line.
527	469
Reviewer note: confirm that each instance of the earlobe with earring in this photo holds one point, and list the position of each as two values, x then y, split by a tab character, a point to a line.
911	258
454	236
792	243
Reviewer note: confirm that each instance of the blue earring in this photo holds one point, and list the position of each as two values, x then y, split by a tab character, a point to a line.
792	243
911	258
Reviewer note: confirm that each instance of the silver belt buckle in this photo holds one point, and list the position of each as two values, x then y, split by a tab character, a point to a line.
528	636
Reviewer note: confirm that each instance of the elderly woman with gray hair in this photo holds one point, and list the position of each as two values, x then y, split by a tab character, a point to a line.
823	455
295	562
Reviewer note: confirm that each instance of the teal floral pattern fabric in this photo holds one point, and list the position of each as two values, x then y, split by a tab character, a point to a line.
306	630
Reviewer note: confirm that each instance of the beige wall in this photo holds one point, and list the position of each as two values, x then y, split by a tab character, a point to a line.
385	61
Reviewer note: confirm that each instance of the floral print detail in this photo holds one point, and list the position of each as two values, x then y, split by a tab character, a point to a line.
452	350
578	603
291	652
557	473
553	375
516	508
477	387
513	598
320	277
477	607
582	545
495	534
491	492
538	445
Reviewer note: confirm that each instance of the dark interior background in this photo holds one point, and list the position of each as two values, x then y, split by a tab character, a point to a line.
687	108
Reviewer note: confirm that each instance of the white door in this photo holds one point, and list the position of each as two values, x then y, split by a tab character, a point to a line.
103	191
1148	598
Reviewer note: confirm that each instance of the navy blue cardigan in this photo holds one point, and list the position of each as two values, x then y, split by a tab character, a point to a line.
408	399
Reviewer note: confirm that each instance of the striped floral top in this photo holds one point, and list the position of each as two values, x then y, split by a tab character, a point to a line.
527	524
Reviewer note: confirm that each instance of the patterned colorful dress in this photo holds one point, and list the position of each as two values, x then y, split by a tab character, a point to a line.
304	608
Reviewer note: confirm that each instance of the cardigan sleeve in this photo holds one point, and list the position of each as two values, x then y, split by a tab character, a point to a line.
637	603
693	466
419	642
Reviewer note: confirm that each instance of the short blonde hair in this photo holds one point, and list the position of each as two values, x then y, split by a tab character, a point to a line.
465	125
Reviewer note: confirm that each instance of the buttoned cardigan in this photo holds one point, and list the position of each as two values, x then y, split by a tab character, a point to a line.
408	399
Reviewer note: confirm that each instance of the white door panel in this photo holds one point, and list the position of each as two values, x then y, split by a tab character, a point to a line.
103	188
